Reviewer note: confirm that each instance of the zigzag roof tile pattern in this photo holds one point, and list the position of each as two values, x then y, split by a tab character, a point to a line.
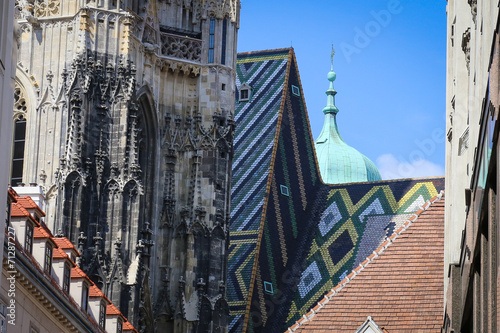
400	285
292	237
256	119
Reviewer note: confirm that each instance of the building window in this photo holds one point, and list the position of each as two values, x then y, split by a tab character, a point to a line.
268	287
295	90
66	276
3	317
245	91
284	190
85	297
18	152
119	326
8	209
463	142
211	41
224	33
102	315
28	241
19	131
48	258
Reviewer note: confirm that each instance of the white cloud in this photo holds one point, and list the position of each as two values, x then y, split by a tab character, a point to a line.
392	168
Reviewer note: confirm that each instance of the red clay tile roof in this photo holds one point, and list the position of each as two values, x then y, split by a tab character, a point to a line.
76	272
400	285
127	326
113	310
17	210
28	203
12	194
95	292
59	254
40	232
65	243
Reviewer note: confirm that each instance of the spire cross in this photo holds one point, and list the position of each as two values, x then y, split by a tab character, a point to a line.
333	54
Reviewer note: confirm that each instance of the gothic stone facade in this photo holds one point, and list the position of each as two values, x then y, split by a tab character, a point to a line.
124	116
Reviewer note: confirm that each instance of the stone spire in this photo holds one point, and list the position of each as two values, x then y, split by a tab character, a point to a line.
338	162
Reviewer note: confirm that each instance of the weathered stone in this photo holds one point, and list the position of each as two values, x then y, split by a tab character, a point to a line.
130	127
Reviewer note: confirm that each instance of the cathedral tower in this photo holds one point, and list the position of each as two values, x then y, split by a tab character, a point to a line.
124	116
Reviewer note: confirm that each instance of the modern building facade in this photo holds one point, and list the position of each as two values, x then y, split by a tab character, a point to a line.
124	117
471	222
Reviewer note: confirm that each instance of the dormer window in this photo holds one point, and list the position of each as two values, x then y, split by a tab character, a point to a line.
28	242
66	276
85	297
48	258
245	92
102	315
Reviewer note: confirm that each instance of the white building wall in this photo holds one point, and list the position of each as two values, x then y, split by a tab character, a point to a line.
7	75
466	86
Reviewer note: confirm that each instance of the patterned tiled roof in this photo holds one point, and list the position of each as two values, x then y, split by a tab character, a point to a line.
293	238
400	285
256	119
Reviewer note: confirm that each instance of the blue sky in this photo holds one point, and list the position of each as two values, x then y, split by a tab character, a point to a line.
391	67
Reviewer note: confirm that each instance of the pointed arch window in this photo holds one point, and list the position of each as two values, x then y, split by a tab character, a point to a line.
211	40
224	41
19	129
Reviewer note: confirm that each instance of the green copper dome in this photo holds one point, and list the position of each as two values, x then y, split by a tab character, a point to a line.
338	162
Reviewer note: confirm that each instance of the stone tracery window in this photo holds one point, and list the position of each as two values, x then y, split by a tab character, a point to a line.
19	135
211	41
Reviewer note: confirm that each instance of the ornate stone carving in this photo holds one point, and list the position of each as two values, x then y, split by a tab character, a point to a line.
180	47
46	8
20	105
473	9
466	47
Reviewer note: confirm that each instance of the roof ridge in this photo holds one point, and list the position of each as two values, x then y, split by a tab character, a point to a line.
262	51
388	180
389	240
